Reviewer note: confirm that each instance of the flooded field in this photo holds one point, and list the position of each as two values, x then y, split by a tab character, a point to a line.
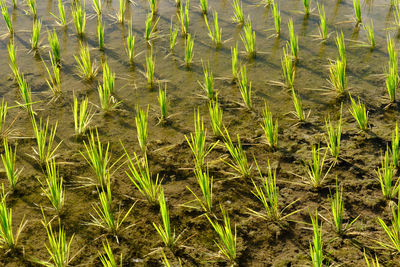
135	127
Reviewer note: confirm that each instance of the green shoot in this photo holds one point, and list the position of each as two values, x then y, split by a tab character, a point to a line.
316	246
385	175
12	58
61	18
334	135
173	34
396	146
238	155
204	6
165	231
130	43
227	239
206	187
238	16
36	27
369	29
341	47
208	85
53	189
96	4
315	167
6	16
234	53
288	67
25	92
397	12
270	128
215	33
357	10
306	4
141	126
249	39
55	46
374	261
323	26
216	117
153	6
79	18
162	100
245	87
108	78
32	7
54	81
86	70
108	259
393	231
122	10
3	115
359	113
277	18
150	67
392	81
107	100
294	40
44	139
150	31
337	76
100	32
189	43
9	160
183	17
82	115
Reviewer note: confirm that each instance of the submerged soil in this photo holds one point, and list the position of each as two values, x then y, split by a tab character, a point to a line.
259	242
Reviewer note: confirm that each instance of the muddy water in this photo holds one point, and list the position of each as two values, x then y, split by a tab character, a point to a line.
259	242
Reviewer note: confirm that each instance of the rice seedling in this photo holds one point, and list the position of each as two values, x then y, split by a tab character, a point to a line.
395	146
334	135
204	6
96	4
293	40
391	50
197	142
25	92
36	27
277	17
15	3
374	261
189	43
216	117
239	163
208	85
3	115
61	18
108	259
393	231
270	128
7	238
141	120
397	13
173	34
53	189
234	54
54	46
82	115
107	100
165	231
227	237
357	10
359	113
245	87
206	186
44	138
100	32
369	29
183	17
13	58
215	33
130	43
140	176
288	67
86	69
9	161
392	80
150	31
106	217
32	7
150	67
108	78
6	16
122	10
54	81
341	47
316	246
163	102
385	175
153	6
306	4
98	158
315	167
238	16
58	247
323	26
249	39
178	3
337	77
337	208
79	18
268	195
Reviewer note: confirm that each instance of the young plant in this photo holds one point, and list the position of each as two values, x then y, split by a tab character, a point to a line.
107	100
306	4
393	231
208	85
249	39
395	146
334	135
25	92
61	18
369	29
270	128
36	27
173	34
165	231
197	142
106	218
315	167
13	58
392	81
359	113
98	158
277	18
32	7
245	87
204	6
9	160
288	67
239	163
339	40
215	33
3	115
108	259
122	10
54	81
96	4
108	78
316	246
130	43
238	16
7	238
293	40
82	115
153	6
234	53
150	67
337	77
6	16
100	33
227	238
183	17
385	175
357	10
140	176
216	117
44	139
206	186
79	18
53	189
189	43
141	120
396	12
374	261
323	26
55	46
86	70
163	101
150	31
